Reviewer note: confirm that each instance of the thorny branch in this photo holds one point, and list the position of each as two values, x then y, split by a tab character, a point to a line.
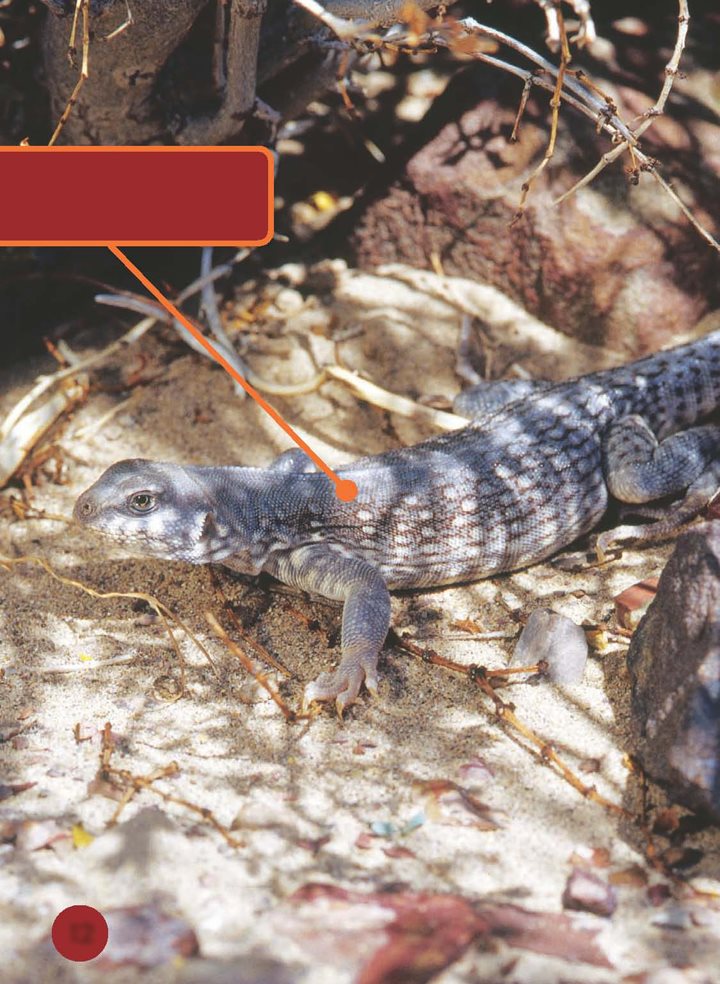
566	85
671	71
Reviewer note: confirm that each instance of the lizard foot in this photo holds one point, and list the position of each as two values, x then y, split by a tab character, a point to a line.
342	686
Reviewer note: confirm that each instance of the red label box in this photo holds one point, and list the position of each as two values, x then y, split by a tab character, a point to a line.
136	196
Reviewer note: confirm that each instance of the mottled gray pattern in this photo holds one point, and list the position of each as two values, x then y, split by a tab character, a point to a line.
511	488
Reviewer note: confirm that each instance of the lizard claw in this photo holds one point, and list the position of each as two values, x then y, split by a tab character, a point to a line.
342	686
371	683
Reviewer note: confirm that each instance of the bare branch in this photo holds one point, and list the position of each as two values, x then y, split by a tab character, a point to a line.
671	70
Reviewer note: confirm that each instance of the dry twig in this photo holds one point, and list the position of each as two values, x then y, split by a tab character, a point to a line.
505	712
290	716
164	613
131	784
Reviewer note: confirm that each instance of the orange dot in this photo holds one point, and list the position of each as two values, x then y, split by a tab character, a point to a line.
345	490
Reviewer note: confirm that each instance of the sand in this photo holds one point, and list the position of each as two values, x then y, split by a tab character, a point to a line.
330	801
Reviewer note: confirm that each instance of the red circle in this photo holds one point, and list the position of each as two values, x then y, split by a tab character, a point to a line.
79	933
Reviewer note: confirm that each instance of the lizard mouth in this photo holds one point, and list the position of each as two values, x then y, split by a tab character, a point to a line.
191	545
137	538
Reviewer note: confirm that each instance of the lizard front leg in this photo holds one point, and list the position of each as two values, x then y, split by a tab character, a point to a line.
639	469
332	572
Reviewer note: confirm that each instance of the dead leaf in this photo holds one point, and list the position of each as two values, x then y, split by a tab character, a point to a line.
452	804
550	933
633	876
392	937
32	835
586	891
13	789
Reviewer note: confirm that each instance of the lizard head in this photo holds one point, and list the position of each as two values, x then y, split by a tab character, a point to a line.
160	509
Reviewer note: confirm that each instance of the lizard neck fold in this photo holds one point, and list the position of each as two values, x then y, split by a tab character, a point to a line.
258	511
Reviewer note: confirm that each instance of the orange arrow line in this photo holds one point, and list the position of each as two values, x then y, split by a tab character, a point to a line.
345	489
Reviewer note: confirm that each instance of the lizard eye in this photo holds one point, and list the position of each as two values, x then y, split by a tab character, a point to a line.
142	502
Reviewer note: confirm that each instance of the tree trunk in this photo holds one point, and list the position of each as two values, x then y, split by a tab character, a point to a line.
138	93
121	103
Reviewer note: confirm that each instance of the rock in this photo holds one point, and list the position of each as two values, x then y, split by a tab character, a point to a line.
632	603
555	639
601	267
674	664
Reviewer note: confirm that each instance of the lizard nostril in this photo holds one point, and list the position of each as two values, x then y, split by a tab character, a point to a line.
84	508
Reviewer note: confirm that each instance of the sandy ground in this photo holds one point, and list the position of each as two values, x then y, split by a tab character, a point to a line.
336	802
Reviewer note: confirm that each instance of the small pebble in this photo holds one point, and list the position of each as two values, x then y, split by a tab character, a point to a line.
589	893
555	639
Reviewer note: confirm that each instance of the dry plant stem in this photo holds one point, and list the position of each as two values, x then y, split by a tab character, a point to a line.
555	103
583	100
527	86
608	158
506	714
157	312
133	784
85	67
260	678
567	88
128	22
121	103
86	665
143	306
386	400
583	78
508	671
555	29
530	78
350	18
209	304
45	382
671	70
593	107
72	47
165	613
340	26
194	287
209	308
707	236
380	13
19	455
646	163
261	651
215	274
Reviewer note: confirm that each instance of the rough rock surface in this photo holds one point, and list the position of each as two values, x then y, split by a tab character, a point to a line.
602	267
674	662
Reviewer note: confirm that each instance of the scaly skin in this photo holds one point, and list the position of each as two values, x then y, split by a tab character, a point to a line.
516	485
